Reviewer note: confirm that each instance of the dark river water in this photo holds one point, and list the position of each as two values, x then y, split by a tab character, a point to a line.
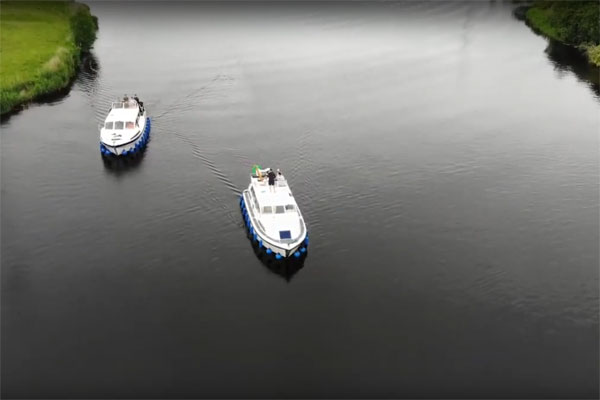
445	158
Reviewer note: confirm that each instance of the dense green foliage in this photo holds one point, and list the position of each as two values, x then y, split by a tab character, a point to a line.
83	26
40	48
572	22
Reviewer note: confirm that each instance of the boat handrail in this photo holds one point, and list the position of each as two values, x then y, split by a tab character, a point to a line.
130	103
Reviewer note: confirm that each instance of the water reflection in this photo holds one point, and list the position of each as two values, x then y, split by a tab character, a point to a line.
88	73
286	268
120	165
567	58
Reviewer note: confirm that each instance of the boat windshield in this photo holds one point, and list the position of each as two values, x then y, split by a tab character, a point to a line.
129	125
267	210
108	125
117	105
279	209
119	124
289	207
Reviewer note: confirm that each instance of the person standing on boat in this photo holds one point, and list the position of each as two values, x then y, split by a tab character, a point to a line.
140	104
271	175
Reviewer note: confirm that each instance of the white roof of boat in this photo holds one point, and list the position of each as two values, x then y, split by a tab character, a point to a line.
281	196
122	114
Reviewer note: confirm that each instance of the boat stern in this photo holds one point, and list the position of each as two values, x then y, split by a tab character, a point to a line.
283	248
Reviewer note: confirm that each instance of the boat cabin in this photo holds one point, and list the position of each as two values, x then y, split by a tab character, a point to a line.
124	115
266	201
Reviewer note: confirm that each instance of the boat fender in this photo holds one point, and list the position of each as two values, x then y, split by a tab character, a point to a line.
260	245
269	251
278	256
297	254
303	250
255	237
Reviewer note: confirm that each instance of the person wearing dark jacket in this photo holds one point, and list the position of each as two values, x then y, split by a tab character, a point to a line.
271	175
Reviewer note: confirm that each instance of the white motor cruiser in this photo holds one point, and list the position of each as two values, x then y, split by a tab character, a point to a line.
126	129
272	215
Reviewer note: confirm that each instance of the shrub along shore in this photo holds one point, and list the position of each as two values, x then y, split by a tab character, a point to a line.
571	22
41	46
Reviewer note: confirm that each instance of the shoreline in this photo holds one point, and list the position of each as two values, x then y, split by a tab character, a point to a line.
542	18
43	45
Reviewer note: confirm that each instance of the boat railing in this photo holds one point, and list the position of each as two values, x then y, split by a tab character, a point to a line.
130	103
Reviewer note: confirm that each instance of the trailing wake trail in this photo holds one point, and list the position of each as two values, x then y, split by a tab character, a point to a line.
221	177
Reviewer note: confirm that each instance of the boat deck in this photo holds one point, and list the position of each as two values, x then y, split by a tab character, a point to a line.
282	195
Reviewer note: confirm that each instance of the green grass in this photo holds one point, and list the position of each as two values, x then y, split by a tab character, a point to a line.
540	19
40	48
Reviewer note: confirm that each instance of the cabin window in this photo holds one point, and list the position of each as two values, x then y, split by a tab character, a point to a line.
119	124
267	210
279	209
289	207
108	125
117	105
129	125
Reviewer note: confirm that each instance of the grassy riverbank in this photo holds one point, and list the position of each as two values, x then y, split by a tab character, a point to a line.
571	22
41	44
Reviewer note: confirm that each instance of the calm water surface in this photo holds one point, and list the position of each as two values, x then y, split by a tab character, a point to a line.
444	156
